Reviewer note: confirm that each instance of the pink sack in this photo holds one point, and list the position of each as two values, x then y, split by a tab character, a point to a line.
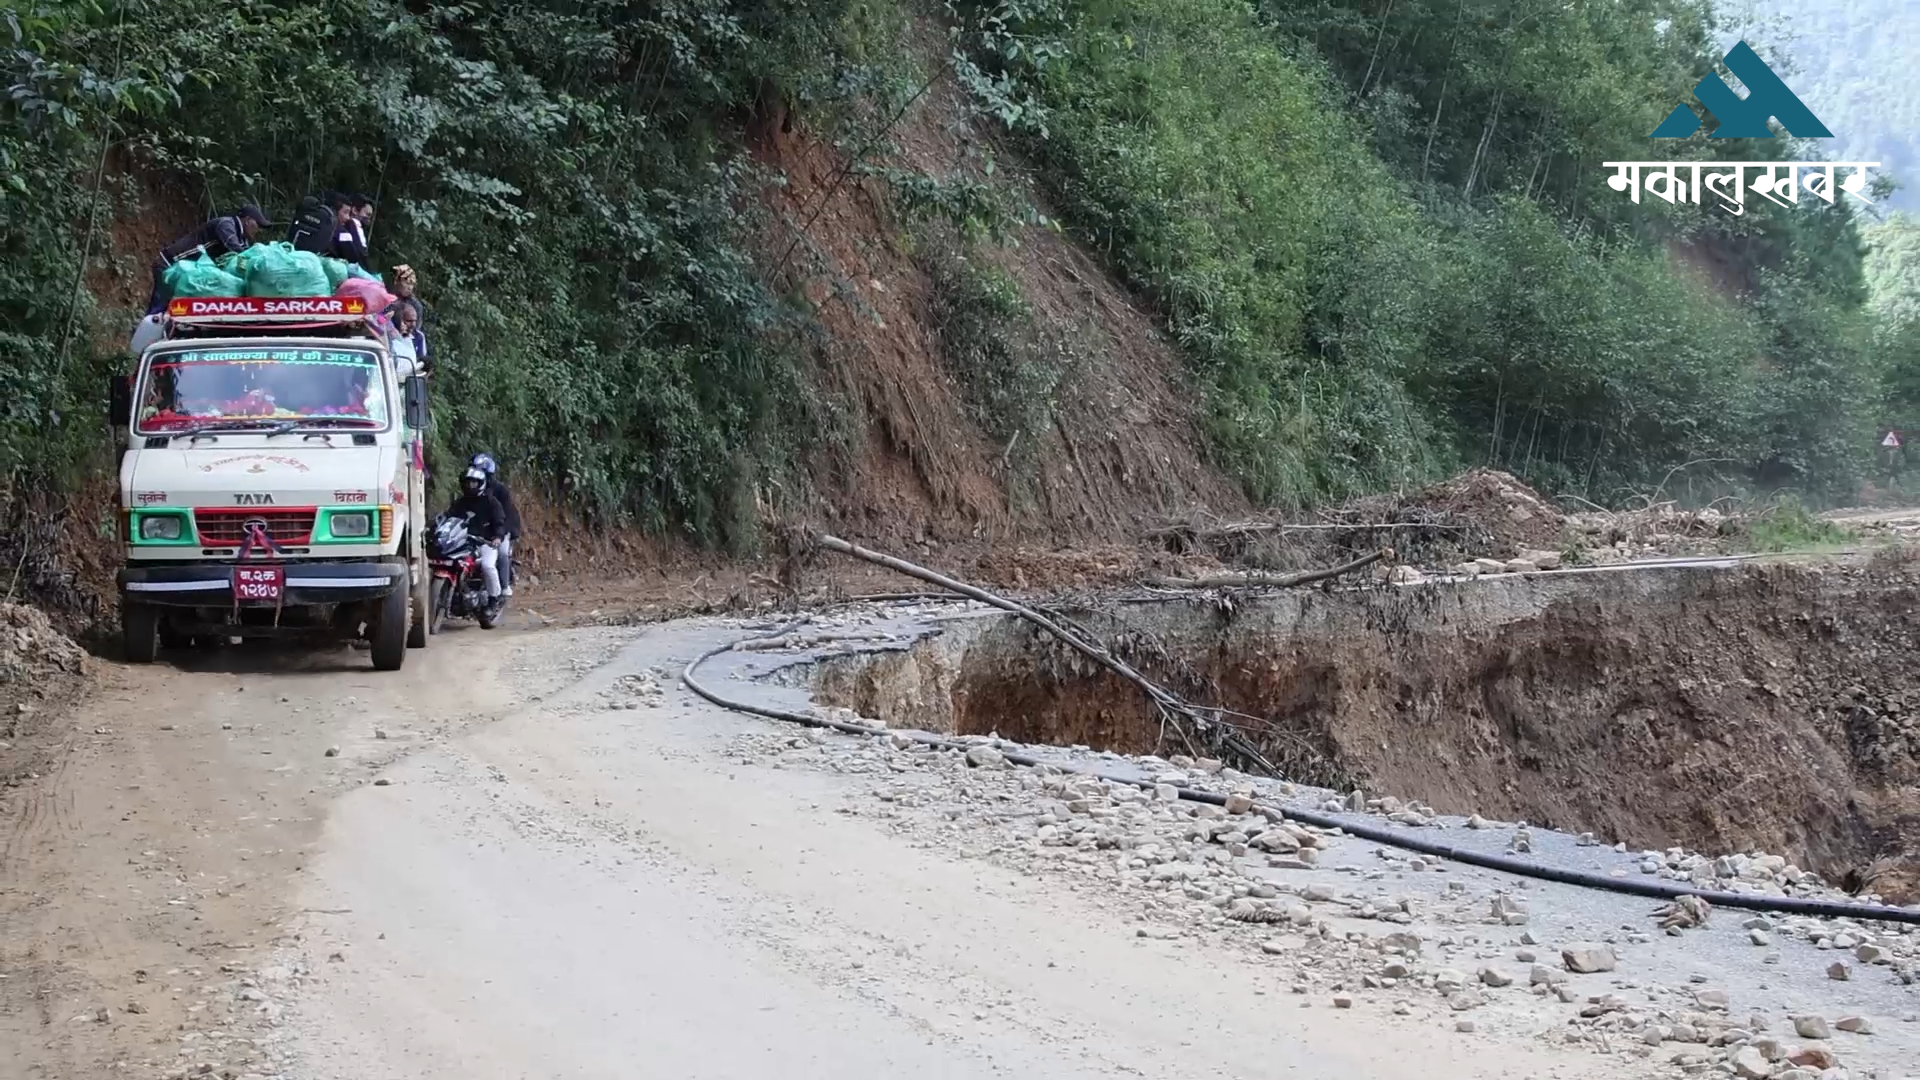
376	296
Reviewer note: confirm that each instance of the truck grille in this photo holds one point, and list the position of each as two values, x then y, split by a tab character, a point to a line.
227	526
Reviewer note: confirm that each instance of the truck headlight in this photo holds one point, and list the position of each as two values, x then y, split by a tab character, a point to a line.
352	525
160	527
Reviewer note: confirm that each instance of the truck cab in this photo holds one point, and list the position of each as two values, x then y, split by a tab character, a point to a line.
273	479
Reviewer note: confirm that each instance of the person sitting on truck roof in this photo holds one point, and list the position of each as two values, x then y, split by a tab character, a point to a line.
350	229
220	236
485	520
316	222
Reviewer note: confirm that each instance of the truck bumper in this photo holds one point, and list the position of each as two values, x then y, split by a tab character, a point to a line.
307	583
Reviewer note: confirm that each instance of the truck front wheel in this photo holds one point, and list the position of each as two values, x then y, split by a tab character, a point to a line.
388	633
422	601
139	631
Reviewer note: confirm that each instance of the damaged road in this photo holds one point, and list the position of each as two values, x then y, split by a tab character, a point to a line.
541	856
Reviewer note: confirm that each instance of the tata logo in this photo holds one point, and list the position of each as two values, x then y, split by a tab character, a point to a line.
247	499
1744	118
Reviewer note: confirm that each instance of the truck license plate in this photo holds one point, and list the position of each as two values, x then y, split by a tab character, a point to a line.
259	583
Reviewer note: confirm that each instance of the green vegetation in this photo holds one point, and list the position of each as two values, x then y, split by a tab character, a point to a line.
1008	362
563	177
1378	229
1784	524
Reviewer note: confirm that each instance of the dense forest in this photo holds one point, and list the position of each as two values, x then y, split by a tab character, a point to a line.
1377	230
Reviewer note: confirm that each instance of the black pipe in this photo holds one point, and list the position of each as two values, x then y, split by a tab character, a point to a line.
1788	905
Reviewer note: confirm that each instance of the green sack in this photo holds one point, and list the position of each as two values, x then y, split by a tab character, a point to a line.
276	269
337	272
200	276
356	270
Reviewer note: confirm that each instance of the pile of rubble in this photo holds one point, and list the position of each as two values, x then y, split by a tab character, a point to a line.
1292	895
37	661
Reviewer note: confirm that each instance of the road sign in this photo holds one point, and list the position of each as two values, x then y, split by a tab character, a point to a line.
1892	441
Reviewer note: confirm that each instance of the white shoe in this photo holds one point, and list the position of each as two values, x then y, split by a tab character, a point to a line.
507	591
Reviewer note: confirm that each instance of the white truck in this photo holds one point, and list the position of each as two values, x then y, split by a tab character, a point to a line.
273	479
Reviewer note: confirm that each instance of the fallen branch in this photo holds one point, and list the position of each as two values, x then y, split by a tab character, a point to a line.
1168	705
1256	579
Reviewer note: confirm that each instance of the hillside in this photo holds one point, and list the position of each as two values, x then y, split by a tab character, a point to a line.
1036	273
1852	63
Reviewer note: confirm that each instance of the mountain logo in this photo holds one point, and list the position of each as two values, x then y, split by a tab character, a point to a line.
1744	118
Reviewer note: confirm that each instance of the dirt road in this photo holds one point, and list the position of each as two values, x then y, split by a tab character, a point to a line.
505	873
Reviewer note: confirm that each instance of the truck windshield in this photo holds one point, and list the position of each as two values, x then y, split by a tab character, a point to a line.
240	387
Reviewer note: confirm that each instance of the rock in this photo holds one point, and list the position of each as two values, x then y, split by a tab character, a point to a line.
1319	892
1278	842
986	757
1464	1027
1239	804
1490	566
1711	999
1395	970
1403	942
1357	802
1475	822
1343	1001
1166	793
1273	947
1447	980
333	751
1858	1025
1839	971
1870	954
1750	1064
1521	566
1495	978
1405	575
1503	907
1812	1027
1818	1058
1586	957
1760	937
1540	976
1466	999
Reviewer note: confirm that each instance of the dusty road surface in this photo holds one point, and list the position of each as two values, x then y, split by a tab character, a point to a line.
497	875
535	855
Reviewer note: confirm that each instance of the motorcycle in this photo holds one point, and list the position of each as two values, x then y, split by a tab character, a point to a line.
459	585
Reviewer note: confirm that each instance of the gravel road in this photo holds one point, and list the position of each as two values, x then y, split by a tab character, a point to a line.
533	854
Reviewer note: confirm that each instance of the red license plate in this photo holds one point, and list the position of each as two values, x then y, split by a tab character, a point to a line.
259	583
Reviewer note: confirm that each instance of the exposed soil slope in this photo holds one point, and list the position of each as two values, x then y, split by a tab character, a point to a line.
1768	708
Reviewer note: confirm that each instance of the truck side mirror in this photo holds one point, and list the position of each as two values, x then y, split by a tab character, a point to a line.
119	400
418	414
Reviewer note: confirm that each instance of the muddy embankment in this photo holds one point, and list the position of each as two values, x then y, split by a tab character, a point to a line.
1769	707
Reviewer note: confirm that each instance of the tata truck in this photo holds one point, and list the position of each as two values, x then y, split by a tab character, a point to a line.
272	479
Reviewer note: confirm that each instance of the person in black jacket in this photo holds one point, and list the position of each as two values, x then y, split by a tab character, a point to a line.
485	463
316	222
350	231
220	236
487	522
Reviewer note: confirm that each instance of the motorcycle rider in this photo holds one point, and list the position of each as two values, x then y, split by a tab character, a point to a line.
487	521
485	463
